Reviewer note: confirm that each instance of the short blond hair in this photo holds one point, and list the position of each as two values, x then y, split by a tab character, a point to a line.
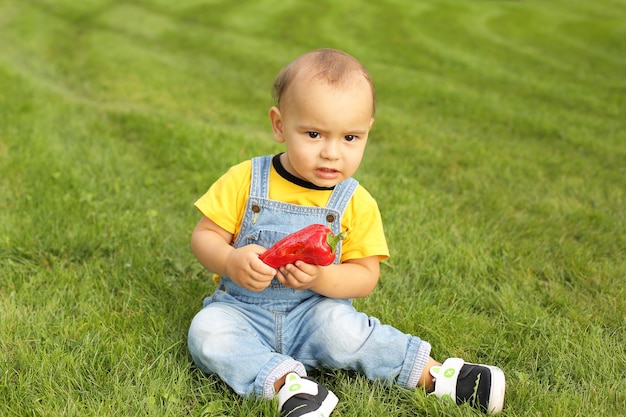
330	65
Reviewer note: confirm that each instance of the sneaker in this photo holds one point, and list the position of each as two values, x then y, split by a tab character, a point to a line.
481	386
301	397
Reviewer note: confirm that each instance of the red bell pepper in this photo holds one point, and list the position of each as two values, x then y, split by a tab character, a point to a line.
315	244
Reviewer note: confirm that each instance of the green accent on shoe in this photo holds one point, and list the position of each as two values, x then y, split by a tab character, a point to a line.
476	384
449	373
294	387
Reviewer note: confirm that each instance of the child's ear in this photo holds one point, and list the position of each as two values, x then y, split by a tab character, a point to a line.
277	124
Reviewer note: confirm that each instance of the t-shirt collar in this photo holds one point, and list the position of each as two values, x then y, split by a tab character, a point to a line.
280	169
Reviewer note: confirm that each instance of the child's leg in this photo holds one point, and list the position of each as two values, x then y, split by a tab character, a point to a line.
427	381
331	333
227	342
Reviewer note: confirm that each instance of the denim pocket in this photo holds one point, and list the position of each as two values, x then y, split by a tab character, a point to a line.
265	238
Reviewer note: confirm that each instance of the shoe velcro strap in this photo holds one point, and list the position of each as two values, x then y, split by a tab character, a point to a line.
446	377
296	385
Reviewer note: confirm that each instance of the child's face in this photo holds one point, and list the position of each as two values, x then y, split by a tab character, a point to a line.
324	128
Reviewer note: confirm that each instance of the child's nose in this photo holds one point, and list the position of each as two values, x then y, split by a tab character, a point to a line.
331	149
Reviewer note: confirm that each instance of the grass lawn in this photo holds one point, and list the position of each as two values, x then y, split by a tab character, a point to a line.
498	160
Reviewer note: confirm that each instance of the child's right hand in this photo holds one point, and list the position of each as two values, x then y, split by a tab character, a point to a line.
245	268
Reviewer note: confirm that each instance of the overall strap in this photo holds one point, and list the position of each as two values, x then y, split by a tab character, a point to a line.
260	176
337	203
342	194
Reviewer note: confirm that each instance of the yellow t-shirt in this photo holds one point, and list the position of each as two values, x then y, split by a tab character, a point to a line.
225	202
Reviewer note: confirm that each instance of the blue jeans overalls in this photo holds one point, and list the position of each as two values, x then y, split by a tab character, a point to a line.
251	339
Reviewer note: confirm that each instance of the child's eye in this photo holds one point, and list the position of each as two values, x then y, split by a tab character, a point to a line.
350	138
313	135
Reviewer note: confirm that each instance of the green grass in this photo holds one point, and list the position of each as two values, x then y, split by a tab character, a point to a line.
498	159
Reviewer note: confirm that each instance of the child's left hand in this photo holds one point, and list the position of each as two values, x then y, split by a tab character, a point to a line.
300	276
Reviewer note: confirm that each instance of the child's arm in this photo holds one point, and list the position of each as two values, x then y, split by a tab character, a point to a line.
212	246
352	279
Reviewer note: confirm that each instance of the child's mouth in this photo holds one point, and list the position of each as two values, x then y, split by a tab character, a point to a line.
327	173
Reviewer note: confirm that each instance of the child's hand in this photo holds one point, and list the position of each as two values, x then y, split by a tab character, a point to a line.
299	276
246	269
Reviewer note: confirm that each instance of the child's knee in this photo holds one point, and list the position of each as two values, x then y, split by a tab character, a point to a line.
209	331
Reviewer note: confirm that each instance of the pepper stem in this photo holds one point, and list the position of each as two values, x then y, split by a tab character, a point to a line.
333	240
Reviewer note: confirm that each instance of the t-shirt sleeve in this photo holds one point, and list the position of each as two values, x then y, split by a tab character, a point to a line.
224	203
366	236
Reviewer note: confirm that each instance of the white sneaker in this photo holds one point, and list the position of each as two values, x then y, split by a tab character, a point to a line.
303	397
482	386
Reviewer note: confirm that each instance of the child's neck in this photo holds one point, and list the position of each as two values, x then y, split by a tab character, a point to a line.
280	169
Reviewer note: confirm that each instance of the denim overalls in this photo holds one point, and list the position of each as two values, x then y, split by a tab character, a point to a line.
251	339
